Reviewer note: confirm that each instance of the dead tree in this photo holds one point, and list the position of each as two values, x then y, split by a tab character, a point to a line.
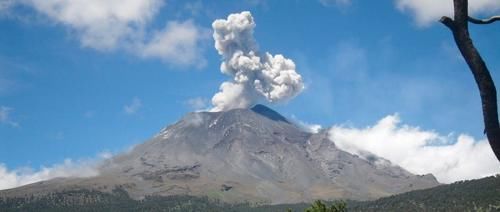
459	26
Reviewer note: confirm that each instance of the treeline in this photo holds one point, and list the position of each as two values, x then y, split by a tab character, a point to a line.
474	195
118	200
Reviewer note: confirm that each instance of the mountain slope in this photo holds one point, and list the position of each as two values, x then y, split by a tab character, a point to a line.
240	155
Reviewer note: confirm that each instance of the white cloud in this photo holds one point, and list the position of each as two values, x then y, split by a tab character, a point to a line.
59	135
194	8
100	24
329	3
311	128
255	76
178	43
5	5
69	168
89	114
419	151
429	11
5	113
197	103
195	119
133	107
108	25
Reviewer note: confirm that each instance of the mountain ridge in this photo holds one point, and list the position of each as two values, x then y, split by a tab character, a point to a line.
242	155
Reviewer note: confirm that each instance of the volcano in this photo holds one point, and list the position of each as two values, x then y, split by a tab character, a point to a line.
241	155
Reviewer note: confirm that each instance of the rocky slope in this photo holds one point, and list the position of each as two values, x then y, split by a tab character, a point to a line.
241	155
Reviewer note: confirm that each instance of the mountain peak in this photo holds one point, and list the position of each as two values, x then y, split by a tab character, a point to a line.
268	113
241	155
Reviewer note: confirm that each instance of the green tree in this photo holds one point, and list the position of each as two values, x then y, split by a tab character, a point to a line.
319	206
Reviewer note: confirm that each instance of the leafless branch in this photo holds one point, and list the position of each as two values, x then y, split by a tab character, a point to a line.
484	21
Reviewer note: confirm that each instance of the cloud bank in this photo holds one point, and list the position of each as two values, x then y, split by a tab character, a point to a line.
69	168
255	76
419	151
429	11
108	25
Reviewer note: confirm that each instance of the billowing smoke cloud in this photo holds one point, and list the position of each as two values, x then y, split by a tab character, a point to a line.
255	76
449	158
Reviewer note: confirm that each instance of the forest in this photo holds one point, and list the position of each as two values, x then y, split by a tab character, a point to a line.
471	195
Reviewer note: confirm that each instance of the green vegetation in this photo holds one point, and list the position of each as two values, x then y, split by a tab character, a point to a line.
87	200
319	206
474	195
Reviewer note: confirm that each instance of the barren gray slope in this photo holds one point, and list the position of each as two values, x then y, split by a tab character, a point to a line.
244	155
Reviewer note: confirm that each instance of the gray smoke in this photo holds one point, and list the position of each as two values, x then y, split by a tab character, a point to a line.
255	76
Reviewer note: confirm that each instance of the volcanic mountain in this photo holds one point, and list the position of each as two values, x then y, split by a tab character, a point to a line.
241	155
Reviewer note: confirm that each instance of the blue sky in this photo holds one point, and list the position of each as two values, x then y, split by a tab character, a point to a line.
65	95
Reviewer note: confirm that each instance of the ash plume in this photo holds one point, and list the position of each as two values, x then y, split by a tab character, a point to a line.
255	75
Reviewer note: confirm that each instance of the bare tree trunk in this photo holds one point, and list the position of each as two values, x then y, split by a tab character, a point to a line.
460	28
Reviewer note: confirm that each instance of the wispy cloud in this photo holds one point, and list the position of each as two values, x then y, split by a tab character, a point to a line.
133	107
311	128
419	151
108	25
5	5
5	116
69	168
426	12
59	135
89	114
198	103
349	62
329	3
194	8
178	43
373	78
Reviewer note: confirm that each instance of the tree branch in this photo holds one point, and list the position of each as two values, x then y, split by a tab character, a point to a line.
484	21
460	29
447	21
